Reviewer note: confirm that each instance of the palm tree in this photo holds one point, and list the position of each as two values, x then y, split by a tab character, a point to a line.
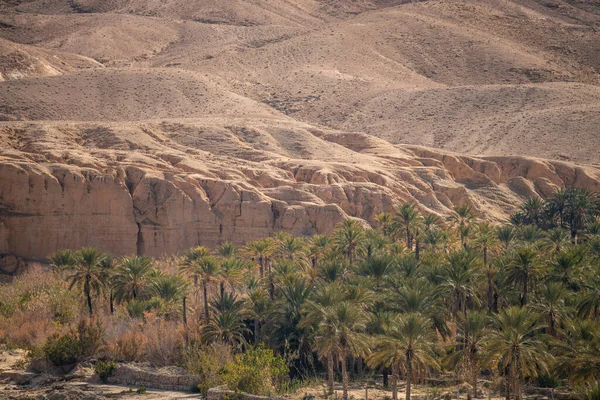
551	304
579	351
230	271
461	218
468	349
406	219
227	250
556	239
589	299
319	244
377	268
516	347
62	260
408	342
172	289
524	269
208	271
385	221
108	265
349	239
261	251
486	239
131	277
225	327
257	305
507	236
342	327
459	277
86	271
317	313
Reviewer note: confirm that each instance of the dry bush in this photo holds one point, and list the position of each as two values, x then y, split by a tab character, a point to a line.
35	306
165	341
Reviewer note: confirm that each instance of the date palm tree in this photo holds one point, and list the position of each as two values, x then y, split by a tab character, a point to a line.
462	217
406	220
524	270
131	277
349	240
516	347
408	342
261	251
471	331
62	261
86	272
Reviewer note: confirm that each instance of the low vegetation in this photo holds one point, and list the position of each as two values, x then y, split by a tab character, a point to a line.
418	299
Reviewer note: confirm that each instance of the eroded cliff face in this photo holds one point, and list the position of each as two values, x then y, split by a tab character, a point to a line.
160	188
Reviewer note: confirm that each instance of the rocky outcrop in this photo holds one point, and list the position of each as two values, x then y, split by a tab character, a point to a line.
71	185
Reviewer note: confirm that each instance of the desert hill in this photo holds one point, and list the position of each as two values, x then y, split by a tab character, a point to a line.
167	124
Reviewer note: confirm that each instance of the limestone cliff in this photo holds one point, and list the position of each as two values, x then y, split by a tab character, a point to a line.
160	188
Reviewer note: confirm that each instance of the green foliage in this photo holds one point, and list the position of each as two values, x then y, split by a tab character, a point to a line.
209	363
62	350
257	371
105	369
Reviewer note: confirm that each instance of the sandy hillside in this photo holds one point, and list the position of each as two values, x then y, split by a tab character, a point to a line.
157	120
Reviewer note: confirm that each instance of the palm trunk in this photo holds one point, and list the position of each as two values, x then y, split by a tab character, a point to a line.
408	375
475	372
205	302
88	295
524	294
330	373
184	310
490	294
111	301
256	331
344	374
395	381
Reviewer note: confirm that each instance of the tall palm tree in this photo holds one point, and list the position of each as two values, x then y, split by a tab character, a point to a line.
408	342
459	276
524	269
260	251
230	271
87	272
579	351
342	329
516	348
208	270
376	268
318	247
317	313
108	265
131	277
471	331
406	219
227	250
461	218
551	305
349	239
257	305
385	221
486	240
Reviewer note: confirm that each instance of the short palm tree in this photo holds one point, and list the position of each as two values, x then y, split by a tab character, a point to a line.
131	277
408	342
516	347
62	261
172	289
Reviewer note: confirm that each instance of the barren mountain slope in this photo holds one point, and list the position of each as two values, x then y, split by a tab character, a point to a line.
167	124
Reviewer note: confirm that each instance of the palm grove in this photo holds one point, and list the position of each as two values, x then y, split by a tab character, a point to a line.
419	297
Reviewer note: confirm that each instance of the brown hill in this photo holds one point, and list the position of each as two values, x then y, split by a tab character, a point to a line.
166	124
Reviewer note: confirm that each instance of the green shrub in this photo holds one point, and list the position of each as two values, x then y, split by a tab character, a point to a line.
141	390
257	371
62	350
546	381
105	369
208	362
90	335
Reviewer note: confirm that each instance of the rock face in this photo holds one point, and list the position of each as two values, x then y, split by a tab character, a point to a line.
149	190
132	375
